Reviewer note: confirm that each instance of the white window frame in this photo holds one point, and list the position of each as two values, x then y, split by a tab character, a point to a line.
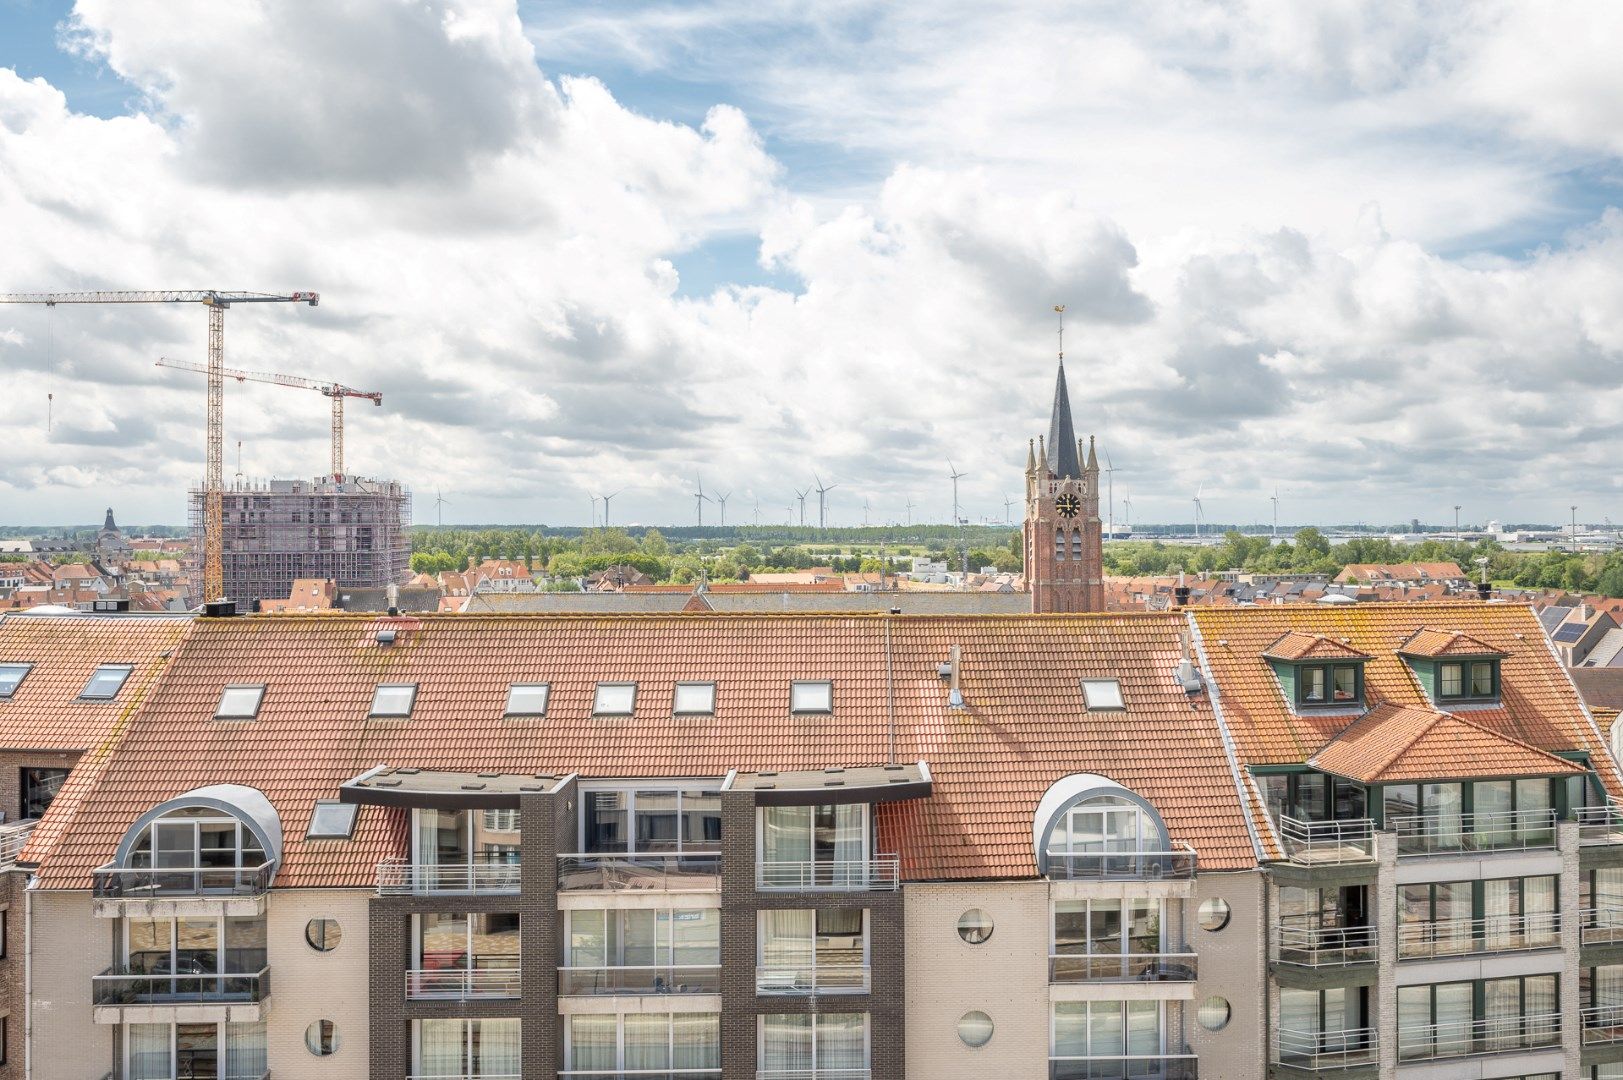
467	1039
868	839
1106	687
760	1037
411	701
470	834
1149	831
669	957
127	669
174	819
546	699
257	689
219	1045
1161	1024
598	708
867	947
467	936
310	832
676	699
174	940
664	785
22	671
795	691
1087	919
620	1040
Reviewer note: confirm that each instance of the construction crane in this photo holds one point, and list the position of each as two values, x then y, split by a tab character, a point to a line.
336	391
216	301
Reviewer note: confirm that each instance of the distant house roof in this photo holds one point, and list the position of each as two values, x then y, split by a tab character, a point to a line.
1602	687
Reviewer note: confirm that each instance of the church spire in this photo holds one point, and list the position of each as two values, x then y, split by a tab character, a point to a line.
1062	458
108	525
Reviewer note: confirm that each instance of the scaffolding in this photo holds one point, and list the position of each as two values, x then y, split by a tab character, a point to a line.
354	531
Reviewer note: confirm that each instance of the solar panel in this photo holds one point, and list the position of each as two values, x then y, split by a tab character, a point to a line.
1570	633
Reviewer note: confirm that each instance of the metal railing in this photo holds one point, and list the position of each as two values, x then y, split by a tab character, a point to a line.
1495	933
187	1063
608	872
1324	946
13	838
813	1074
460	984
1494	830
629	1074
121	986
1602	1024
396	876
1488	1035
1322	1050
146	883
813	979
1600	925
878	874
472	1076
1138	865
1599	825
638	979
1327	843
1119	967
1129	1067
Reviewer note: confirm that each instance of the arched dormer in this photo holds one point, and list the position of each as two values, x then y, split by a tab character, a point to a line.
1089	815
219	830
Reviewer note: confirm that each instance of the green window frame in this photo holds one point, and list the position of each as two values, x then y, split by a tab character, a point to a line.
1320	686
1468	680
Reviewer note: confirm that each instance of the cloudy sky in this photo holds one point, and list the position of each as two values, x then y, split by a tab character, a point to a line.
1365	253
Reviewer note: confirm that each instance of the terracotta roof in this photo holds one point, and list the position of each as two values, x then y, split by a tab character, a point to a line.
1394	744
1296	645
1435	643
1024	726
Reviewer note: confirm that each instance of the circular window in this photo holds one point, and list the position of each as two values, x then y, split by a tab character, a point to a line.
975	926
1214	914
323	934
1214	1013
321	1038
975	1028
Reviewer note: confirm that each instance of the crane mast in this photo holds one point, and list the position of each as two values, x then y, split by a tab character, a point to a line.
217	301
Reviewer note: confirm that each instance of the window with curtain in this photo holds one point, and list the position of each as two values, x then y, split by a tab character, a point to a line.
651	937
1104	823
593	1042
1106	1029
830	841
628	1042
148	1049
803	949
493	1047
440	1046
804	1042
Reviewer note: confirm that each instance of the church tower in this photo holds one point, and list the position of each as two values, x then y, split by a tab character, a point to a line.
1064	539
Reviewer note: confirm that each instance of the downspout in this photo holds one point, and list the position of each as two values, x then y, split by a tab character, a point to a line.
890	693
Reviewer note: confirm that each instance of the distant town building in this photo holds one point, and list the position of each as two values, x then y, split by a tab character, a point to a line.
110	543
1064	546
1444	573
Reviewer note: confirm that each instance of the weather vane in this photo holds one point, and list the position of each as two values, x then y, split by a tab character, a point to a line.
1060	310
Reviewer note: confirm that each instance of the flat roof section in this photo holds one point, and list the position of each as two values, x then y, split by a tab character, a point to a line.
812	787
434	789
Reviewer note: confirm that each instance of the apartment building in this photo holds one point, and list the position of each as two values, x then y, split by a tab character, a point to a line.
1216	843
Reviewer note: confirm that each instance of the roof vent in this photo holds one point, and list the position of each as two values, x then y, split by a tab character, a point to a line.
1187	672
386	636
119	603
955	696
220	609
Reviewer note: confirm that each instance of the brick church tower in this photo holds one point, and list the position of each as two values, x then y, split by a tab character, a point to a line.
1064	540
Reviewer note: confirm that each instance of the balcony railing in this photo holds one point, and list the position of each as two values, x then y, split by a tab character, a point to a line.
397	876
1599	825
1497	830
815	979
126	883
461	984
1490	1035
878	874
1462	937
636	980
188	1065
1327	843
603	872
121	986
1602	1024
1600	925
1137	865
628	1074
13	838
1324	946
1132	1067
1324	1050
470	1076
813	1074
1118	967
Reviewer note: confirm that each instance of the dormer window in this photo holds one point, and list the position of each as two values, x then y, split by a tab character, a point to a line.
1316	671
1329	684
1454	667
1468	680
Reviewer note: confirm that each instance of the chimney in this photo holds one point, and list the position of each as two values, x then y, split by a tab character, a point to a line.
220	609
1188	673
955	694
1180	595
394	599
1483	590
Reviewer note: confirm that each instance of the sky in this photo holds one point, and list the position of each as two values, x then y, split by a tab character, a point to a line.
1364	255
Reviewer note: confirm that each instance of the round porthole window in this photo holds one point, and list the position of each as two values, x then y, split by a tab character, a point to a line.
321	1038
1214	1013
1214	914
975	926
323	934
975	1029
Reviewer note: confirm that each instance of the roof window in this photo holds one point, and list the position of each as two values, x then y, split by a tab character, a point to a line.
694	699
393	699
1103	695
332	820
811	697
105	684
239	702
527	699
11	677
615	699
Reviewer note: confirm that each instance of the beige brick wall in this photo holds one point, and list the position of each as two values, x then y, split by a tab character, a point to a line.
1233	966
307	985
1006	978
70	946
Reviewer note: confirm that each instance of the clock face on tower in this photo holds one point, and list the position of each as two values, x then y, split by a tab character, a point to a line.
1068	504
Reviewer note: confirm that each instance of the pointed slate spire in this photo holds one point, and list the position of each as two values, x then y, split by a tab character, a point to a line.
1093	458
1031	456
1062	458
108	525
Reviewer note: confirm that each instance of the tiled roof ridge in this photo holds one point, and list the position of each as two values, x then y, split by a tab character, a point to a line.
1504	737
1454	636
453	617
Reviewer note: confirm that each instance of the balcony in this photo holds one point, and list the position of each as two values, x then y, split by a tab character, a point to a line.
1324	946
1465	937
881	873
638	981
119	891
13	838
1327	843
1458	1038
120	996
1323	1051
600	872
398	877
814	979
1602	1024
1599	825
1116	967
612	1074
1454	834
1124	865
1600	926
796	1074
462	984
1136	1067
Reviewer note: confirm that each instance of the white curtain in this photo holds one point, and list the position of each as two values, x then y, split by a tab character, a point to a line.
787	941
1499	909
787	834
244	1051
695	1040
850	843
149	1051
1538	905
1070	1029
439	1047
1143	1028
496	1044
591	1042
647	1041
786	1042
842	1041
1454	1016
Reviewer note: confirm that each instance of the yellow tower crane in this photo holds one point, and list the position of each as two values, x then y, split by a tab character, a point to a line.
217	301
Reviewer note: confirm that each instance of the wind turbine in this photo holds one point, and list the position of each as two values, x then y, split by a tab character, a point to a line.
1110	484
1127	504
757	511
801	495
589	495
952	471
439	513
910	511
606	499
721	498
822	501
1198	510
865	512
699	499
1008	507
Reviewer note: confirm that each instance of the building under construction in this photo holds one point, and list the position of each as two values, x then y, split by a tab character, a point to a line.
351	530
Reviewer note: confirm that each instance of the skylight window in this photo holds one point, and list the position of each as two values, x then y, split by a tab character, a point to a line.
695	699
527	699
1103	695
614	699
11	677
105	684
332	820
239	703
807	697
394	699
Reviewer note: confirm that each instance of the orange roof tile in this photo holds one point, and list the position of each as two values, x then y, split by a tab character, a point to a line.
1434	643
1295	645
1394	743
